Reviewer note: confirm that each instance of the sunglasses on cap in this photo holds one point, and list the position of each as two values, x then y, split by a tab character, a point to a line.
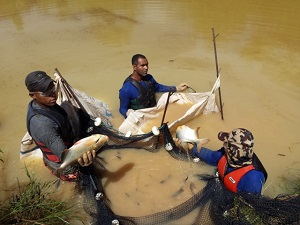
46	93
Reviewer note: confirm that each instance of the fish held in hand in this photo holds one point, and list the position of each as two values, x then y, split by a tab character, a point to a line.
71	155
188	135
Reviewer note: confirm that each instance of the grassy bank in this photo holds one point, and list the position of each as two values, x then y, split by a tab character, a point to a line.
31	204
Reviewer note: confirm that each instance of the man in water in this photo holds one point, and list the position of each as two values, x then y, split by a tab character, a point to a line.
139	88
49	126
238	167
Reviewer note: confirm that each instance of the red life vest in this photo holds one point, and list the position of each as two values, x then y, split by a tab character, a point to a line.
48	153
59	116
232	178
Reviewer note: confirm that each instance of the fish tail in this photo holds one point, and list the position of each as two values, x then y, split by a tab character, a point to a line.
57	183
58	174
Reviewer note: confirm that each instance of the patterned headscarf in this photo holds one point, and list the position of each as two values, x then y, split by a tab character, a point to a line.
238	146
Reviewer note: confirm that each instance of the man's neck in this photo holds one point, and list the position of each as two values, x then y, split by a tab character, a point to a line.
136	77
40	104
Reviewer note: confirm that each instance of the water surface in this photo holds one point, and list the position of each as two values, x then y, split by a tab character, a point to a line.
91	43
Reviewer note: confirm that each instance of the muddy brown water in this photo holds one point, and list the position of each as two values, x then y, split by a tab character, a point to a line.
91	43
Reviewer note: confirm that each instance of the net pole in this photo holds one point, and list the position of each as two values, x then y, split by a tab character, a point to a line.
165	111
217	70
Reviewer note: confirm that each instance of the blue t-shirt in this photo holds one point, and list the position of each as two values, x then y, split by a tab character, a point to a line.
251	182
129	92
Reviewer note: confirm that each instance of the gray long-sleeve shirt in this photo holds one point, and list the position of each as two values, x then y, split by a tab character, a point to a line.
46	131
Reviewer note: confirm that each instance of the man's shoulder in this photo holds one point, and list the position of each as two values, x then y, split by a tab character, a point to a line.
127	86
40	119
254	175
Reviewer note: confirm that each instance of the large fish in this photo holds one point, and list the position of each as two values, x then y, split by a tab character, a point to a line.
188	135
71	155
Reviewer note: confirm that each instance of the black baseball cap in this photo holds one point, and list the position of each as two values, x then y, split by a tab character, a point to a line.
38	81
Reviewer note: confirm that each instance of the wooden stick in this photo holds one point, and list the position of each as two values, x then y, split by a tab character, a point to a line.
217	69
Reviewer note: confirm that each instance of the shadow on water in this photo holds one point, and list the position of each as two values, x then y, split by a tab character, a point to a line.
115	176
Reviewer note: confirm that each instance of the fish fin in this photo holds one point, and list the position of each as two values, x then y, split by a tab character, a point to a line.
58	174
201	142
204	141
64	153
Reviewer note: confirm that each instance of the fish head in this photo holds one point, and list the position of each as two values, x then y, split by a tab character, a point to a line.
99	141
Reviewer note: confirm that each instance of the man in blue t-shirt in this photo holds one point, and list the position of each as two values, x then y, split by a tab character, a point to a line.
238	167
139	88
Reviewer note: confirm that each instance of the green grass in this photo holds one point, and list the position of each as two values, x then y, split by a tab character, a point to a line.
33	205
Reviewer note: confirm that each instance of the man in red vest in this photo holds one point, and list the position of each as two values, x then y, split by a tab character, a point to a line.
49	125
239	168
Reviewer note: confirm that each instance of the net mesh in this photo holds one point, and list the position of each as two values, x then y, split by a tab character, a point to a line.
214	203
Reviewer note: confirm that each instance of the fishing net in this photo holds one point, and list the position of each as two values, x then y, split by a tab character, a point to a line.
200	103
214	204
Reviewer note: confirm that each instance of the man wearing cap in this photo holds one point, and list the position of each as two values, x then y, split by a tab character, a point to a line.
238	166
49	126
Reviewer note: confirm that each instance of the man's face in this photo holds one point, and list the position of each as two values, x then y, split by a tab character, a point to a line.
142	67
47	98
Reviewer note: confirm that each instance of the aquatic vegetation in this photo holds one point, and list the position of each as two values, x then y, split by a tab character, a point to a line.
33	205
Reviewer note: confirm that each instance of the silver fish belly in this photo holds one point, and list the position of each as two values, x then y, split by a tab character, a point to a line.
93	142
188	135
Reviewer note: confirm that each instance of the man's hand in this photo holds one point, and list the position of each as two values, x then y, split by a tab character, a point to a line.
182	87
177	142
186	146
129	111
87	158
